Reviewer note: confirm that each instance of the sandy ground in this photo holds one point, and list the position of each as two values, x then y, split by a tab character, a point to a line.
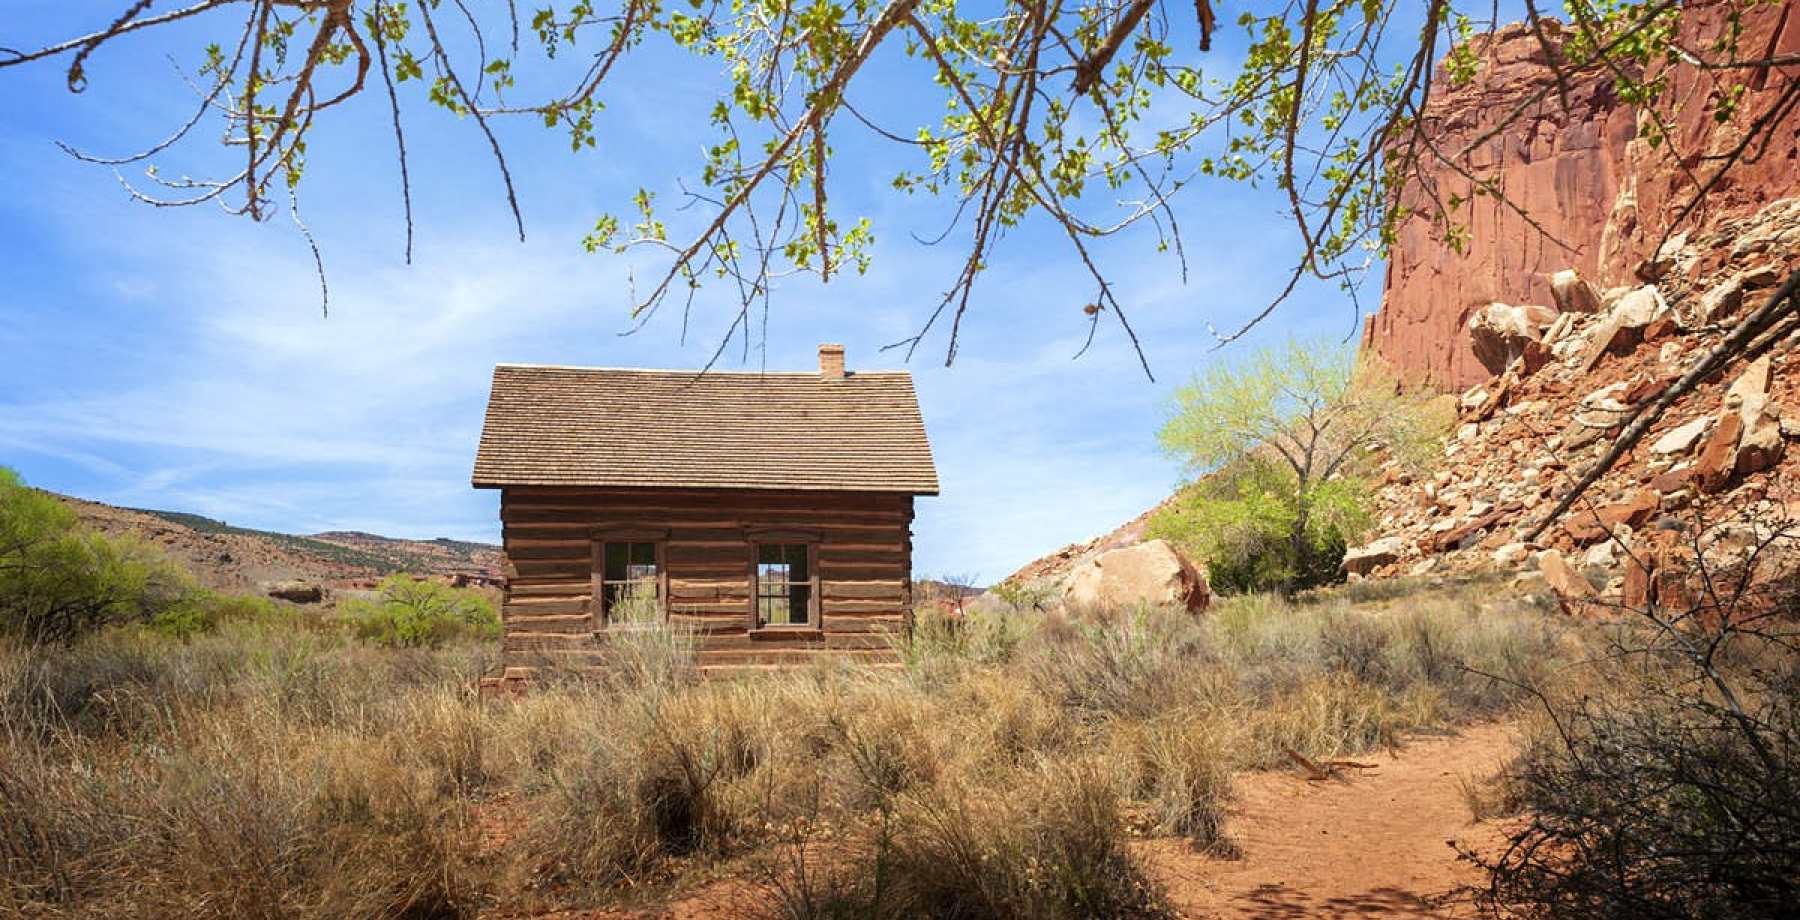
1371	842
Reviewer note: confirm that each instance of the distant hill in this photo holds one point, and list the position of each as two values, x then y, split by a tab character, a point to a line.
227	557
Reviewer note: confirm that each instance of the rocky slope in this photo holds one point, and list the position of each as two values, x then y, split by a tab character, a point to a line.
1722	453
1596	192
1554	333
230	558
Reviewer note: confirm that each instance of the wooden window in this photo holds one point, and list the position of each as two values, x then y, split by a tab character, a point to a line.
787	586
629	581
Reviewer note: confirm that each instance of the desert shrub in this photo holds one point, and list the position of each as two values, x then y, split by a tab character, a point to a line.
1026	594
648	787
942	641
1048	842
59	582
414	612
256	770
205	611
1126	663
1180	765
1646	805
1654	790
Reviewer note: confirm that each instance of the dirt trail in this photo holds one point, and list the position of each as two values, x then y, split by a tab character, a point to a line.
1370	843
1374	843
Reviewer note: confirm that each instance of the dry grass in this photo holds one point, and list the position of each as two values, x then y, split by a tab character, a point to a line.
264	771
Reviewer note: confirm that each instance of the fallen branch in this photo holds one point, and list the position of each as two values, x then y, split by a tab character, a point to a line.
1323	770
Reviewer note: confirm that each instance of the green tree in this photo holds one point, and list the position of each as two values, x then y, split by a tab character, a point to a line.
1241	522
1284	435
59	581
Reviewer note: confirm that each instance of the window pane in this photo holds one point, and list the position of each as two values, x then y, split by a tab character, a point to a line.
631	589
634	601
783	596
644	554
799	595
772	610
618	559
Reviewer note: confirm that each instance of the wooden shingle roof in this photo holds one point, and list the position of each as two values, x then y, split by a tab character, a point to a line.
589	426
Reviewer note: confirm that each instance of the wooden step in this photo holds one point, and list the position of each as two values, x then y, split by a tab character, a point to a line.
555	623
521	607
525	641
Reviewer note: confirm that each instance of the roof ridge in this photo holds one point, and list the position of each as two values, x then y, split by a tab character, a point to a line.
690	371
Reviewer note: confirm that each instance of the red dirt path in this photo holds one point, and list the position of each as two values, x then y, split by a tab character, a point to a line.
1374	843
1368	843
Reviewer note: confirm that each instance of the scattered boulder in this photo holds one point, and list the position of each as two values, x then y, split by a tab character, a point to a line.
1361	560
1152	572
1572	590
1592	526
1760	446
1640	307
1512	555
1499	332
1680	440
1572	294
1718	457
1673	479
295	592
1639	584
1722	300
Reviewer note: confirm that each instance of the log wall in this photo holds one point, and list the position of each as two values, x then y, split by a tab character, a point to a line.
864	568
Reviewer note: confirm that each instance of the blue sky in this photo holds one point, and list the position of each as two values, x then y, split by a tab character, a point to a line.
178	359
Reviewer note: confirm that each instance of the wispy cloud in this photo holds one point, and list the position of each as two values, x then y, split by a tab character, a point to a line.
179	359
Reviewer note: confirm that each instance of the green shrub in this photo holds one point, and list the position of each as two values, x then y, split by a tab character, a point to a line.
203	612
59	582
415	613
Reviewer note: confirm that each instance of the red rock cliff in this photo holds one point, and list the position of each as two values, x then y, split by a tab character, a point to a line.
1600	195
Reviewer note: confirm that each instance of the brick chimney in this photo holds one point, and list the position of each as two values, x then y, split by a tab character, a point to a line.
831	362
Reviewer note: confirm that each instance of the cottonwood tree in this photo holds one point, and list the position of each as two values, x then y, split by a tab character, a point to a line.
1089	116
1295	425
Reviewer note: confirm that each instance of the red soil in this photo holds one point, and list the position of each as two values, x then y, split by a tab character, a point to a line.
1367	843
1372	843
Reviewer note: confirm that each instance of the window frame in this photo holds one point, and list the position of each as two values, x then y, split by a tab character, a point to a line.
815	607
599	539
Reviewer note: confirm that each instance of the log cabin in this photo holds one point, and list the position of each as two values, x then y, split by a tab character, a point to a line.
771	513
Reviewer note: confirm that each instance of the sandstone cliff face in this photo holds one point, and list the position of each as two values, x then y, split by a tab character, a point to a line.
1597	195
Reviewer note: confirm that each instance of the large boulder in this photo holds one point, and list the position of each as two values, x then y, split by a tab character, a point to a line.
1760	446
1572	294
1640	307
1153	572
1361	560
1500	333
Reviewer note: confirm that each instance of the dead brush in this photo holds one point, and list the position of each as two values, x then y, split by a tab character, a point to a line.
1180	766
1047	842
653	784
1126	664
